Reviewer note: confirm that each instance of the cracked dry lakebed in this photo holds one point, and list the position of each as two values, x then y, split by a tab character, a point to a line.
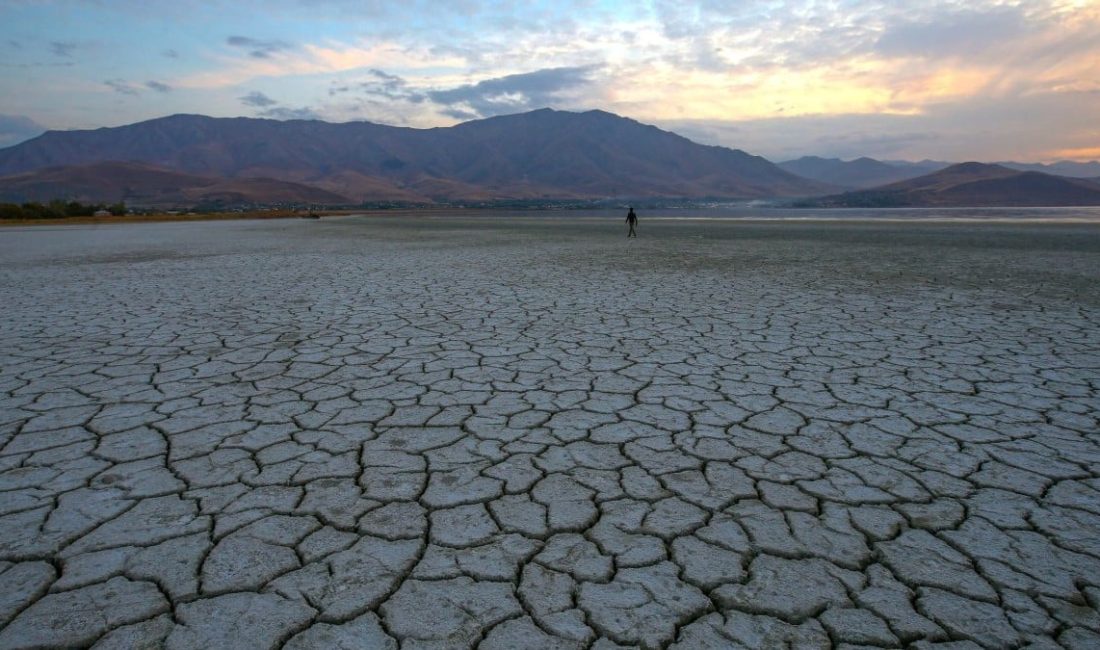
428	432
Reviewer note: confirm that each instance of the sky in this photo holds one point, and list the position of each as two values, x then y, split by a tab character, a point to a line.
947	80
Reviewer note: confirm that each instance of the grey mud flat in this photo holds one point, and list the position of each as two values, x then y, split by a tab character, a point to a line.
533	433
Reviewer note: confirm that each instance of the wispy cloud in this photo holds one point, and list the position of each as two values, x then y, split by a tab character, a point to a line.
271	108
122	87
314	59
63	48
258	99
968	32
826	76
389	86
512	93
256	48
286	113
955	131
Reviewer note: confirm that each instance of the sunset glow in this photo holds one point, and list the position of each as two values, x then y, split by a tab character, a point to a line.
988	80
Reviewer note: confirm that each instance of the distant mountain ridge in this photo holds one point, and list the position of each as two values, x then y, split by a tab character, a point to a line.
1067	168
858	173
543	153
865	173
973	185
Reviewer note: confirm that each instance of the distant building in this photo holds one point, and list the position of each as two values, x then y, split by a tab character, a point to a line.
101	213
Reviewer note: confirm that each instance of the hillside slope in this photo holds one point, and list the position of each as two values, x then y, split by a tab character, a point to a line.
543	153
974	185
145	185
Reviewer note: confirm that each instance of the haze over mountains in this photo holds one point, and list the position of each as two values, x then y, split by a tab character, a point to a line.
865	172
186	160
858	173
974	184
543	153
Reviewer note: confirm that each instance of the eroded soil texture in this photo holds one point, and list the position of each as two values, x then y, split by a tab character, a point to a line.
454	433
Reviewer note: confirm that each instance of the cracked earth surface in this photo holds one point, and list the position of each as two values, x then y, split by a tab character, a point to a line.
369	433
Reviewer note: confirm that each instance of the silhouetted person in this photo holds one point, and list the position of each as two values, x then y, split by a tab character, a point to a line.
631	220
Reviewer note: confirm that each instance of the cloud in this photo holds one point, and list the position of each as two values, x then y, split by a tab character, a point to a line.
381	85
273	110
460	114
63	48
853	144
512	93
390	86
121	87
310	59
258	49
958	33
798	76
1044	127
286	113
258	99
38	64
836	136
17	128
423	101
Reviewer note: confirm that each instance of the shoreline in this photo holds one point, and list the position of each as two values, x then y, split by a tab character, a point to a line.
258	215
159	218
841	216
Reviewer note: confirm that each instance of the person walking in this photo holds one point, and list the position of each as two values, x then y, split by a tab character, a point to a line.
632	221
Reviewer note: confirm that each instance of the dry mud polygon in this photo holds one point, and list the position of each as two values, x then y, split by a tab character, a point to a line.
448	433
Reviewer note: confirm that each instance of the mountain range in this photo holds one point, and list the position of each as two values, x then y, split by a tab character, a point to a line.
188	160
973	184
1068	168
539	154
859	173
863	173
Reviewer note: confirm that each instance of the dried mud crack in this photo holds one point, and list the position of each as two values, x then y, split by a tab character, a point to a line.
376	433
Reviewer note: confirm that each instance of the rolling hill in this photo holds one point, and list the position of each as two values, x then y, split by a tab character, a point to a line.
543	153
974	185
1061	168
146	185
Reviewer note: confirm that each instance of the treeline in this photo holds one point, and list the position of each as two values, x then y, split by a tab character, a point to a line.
57	210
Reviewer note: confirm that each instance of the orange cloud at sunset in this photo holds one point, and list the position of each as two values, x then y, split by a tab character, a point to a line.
982	79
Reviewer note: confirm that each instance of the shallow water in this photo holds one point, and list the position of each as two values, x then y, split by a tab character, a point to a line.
727	212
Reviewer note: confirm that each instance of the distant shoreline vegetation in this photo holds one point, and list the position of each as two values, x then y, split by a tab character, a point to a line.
58	210
863	199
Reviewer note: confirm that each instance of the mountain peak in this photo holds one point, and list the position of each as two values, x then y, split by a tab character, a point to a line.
545	153
859	173
972	167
